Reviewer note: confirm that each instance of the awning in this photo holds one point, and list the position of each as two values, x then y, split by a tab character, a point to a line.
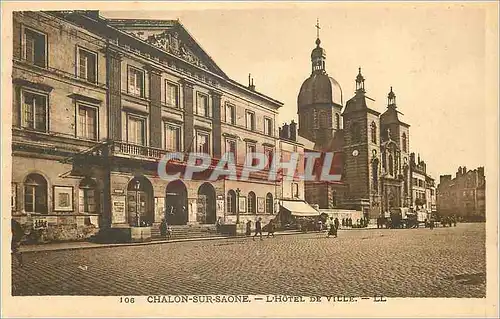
299	208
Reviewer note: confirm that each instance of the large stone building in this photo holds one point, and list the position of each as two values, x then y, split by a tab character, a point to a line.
374	147
464	195
98	102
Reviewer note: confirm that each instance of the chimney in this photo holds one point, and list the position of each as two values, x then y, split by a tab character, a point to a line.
480	171
286	131
293	130
251	86
464	170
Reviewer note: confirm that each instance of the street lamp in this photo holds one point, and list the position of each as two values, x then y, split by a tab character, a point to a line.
238	205
137	186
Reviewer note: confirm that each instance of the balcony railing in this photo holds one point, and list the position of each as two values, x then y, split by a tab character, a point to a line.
121	148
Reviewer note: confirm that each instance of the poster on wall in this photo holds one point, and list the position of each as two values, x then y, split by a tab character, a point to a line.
118	209
261	204
220	206
242	204
63	198
159	208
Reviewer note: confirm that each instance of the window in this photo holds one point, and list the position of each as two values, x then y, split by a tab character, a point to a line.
231	114
391	165
135	81
337	121
268	127
373	132
375	175
404	142
251	148
202	143
202	104
87	65
231	202
295	190
35	47
334	198
315	119
35	194
87	122
172	91
13	196
172	137
355	132
323	119
34	108
269	153
251	203
231	148
250	118
269	203
87	196
136	130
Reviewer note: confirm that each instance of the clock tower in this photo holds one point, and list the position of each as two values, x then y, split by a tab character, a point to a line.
362	151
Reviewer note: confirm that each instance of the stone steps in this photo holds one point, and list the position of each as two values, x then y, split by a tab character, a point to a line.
186	232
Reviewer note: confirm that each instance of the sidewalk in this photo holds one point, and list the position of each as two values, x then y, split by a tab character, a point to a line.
89	245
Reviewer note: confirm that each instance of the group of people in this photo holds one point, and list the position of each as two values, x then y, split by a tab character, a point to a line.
258	228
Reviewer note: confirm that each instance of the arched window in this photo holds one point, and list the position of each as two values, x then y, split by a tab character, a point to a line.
355	132
391	165
251	203
384	161
231	202
375	174
337	121
87	196
35	194
269	203
404	142
373	132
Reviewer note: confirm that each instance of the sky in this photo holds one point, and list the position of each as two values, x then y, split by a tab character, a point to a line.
433	55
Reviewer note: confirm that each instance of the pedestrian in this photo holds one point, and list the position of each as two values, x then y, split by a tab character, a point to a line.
320	225
249	228
336	222
163	227
17	236
258	228
450	222
270	228
454	221
218	224
330	227
431	224
350	222
343	222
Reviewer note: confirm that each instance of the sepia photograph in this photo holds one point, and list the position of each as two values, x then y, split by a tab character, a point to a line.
252	155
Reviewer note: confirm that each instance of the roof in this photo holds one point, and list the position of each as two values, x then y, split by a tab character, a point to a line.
299	208
320	88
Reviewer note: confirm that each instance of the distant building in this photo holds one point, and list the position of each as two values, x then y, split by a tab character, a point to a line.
423	189
463	195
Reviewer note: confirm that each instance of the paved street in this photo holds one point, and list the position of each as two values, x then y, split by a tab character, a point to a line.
444	262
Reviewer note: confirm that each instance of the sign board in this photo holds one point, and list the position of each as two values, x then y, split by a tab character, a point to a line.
220	206
118	209
40	223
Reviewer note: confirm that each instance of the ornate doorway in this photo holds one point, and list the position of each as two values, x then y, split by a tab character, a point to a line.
206	204
176	203
140	201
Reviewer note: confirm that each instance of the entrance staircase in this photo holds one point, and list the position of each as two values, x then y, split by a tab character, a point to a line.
186	232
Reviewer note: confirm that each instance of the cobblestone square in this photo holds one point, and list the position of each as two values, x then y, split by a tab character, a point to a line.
444	262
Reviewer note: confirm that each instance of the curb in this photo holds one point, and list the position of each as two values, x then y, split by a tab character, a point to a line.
26	249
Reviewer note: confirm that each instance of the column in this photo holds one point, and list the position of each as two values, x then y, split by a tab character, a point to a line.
114	96
188	103
216	124
155	120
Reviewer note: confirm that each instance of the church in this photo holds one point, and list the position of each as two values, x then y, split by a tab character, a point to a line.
374	146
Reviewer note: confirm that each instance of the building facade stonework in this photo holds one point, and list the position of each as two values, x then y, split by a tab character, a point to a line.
464	195
98	102
373	148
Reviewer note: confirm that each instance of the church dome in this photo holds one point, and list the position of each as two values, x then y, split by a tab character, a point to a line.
320	88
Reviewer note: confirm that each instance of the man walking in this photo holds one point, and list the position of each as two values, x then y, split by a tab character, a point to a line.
332	230
258	228
270	228
17	235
